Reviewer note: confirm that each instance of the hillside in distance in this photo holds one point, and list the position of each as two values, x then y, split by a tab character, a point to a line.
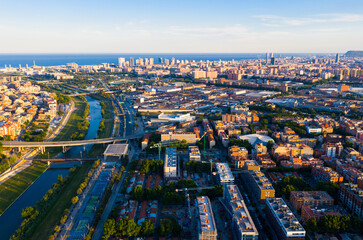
354	54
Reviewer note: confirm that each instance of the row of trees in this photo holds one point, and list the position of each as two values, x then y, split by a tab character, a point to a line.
289	184
102	126
62	99
292	183
166	194
75	199
197	167
334	224
126	227
152	166
33	215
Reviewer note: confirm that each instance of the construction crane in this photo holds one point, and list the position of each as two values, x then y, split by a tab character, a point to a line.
160	145
205	133
187	195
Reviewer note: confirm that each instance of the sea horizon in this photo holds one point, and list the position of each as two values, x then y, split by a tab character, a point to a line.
57	59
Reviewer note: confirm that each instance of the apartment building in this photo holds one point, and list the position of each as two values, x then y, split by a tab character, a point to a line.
333	150
242	224
171	168
261	188
224	173
238	155
286	150
283	221
251	165
326	174
194	154
352	198
310	198
317	212
207	229
191	138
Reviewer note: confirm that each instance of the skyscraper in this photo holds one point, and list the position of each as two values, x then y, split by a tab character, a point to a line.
272	59
172	61
121	62
151	61
160	60
267	58
337	58
132	63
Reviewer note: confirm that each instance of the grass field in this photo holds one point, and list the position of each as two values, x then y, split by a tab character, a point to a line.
76	116
15	186
69	128
46	226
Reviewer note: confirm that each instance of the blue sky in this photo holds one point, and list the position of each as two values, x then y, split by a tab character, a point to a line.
184	26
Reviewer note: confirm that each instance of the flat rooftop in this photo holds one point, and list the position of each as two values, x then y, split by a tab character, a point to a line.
194	151
170	157
206	214
286	219
312	195
224	172
261	180
239	210
116	149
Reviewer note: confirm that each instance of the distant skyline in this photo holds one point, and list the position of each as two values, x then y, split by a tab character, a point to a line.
199	26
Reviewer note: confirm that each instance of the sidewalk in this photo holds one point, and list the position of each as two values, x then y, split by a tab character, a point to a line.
68	225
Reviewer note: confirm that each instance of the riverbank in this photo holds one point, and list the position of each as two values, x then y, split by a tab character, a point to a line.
45	227
14	187
70	128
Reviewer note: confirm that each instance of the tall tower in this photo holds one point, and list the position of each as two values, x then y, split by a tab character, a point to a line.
272	59
132	62
267	55
337	58
121	62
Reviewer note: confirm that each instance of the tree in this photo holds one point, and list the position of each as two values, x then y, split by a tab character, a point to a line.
270	144
75	199
60	179
311	225
137	193
57	228
186	183
334	224
127	228
331	188
169	226
27	212
287	190
147	228
109	228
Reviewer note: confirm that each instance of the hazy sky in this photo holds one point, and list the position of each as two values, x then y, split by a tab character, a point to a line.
180	26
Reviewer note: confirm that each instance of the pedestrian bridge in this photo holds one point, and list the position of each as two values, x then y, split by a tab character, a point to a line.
22	144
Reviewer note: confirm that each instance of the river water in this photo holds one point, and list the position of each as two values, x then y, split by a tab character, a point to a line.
11	219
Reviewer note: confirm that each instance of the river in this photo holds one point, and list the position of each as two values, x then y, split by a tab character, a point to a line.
11	219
